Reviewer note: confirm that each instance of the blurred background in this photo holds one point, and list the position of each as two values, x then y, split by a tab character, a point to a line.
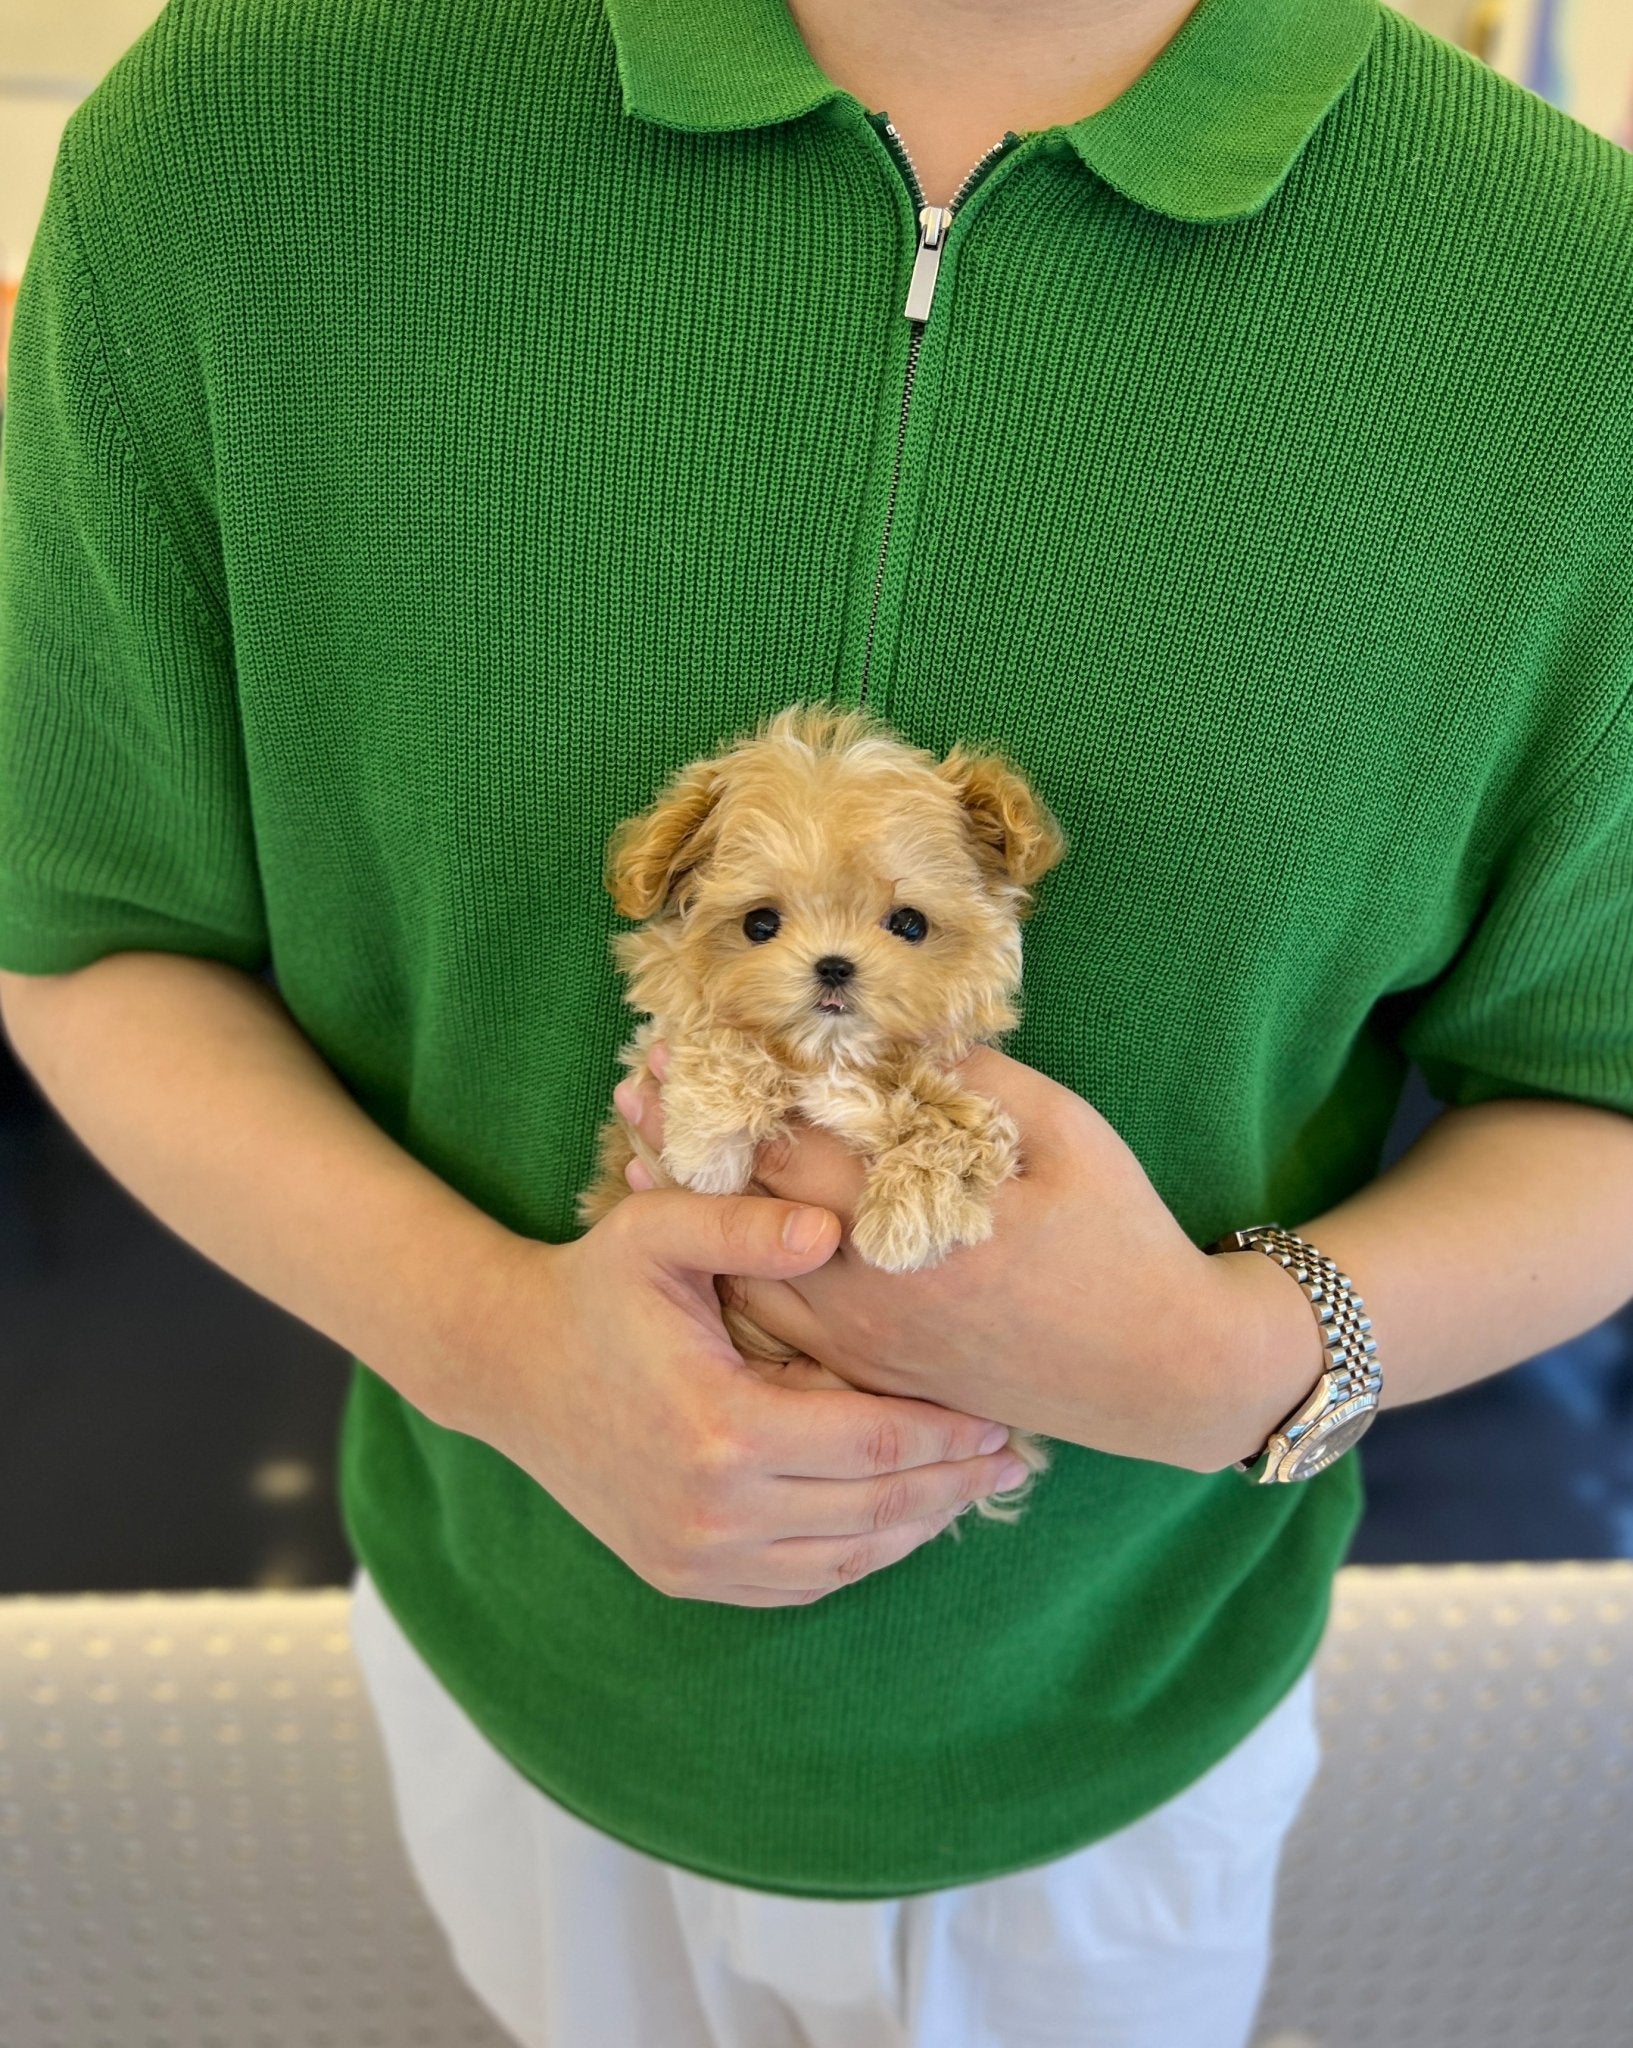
165	1427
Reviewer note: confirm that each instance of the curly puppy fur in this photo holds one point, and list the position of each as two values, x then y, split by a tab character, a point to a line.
830	920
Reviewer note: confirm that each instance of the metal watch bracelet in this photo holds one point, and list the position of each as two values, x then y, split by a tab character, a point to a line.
1343	1402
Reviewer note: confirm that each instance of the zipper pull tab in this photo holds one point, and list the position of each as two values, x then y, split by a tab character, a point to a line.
933	224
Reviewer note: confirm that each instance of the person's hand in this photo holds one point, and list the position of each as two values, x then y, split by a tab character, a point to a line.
1088	1316
602	1369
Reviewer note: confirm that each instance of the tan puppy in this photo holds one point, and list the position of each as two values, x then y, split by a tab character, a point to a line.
832	920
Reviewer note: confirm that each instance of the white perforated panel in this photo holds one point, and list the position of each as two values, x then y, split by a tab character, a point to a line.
196	1841
197	1847
1462	1872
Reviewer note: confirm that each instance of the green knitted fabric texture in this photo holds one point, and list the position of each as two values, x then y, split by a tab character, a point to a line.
431	425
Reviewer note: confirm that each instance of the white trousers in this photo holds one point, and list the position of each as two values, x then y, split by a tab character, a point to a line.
1155	1937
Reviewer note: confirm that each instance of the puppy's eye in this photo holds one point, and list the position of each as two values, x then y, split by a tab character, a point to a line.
908	924
761	925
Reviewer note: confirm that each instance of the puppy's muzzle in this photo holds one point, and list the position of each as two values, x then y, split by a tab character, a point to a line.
833	971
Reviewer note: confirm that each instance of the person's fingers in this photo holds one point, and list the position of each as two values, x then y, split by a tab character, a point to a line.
685	1232
826	1433
848	1559
775	1307
809	1164
865	1507
638	1102
803	1373
638	1177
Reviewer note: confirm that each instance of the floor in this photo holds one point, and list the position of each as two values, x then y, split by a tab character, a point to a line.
167	1427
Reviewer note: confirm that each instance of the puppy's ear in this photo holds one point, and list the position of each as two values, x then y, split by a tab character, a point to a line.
1014	831
649	856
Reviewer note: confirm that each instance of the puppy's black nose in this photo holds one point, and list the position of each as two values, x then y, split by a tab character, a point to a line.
833	969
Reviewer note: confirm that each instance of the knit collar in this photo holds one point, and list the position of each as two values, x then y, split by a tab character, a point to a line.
1206	132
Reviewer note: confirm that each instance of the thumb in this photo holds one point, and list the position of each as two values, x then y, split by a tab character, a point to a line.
755	1236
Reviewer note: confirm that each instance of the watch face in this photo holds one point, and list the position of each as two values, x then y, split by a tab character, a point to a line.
1332	1443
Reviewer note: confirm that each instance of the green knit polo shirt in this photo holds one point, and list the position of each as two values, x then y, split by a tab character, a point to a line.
431	425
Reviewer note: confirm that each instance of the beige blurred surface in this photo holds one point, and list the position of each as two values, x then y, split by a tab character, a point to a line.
51	53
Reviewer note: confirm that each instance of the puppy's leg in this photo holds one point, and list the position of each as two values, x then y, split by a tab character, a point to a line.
722	1097
945	1151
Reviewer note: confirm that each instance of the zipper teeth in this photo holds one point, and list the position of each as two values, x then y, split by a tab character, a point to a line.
953	204
970	175
890	514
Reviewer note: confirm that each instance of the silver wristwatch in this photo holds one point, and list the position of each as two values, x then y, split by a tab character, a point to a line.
1340	1407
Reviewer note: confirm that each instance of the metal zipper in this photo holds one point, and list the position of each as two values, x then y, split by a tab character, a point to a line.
934	223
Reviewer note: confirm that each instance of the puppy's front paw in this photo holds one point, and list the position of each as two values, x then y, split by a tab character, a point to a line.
724	1167
895	1240
908	1217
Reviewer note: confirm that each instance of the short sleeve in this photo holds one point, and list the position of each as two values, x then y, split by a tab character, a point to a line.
124	807
1539	1000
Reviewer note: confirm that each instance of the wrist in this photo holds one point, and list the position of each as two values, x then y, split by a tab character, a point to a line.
1266	1348
471	1338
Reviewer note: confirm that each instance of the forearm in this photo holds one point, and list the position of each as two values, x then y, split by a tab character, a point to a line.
1505	1229
190	1082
